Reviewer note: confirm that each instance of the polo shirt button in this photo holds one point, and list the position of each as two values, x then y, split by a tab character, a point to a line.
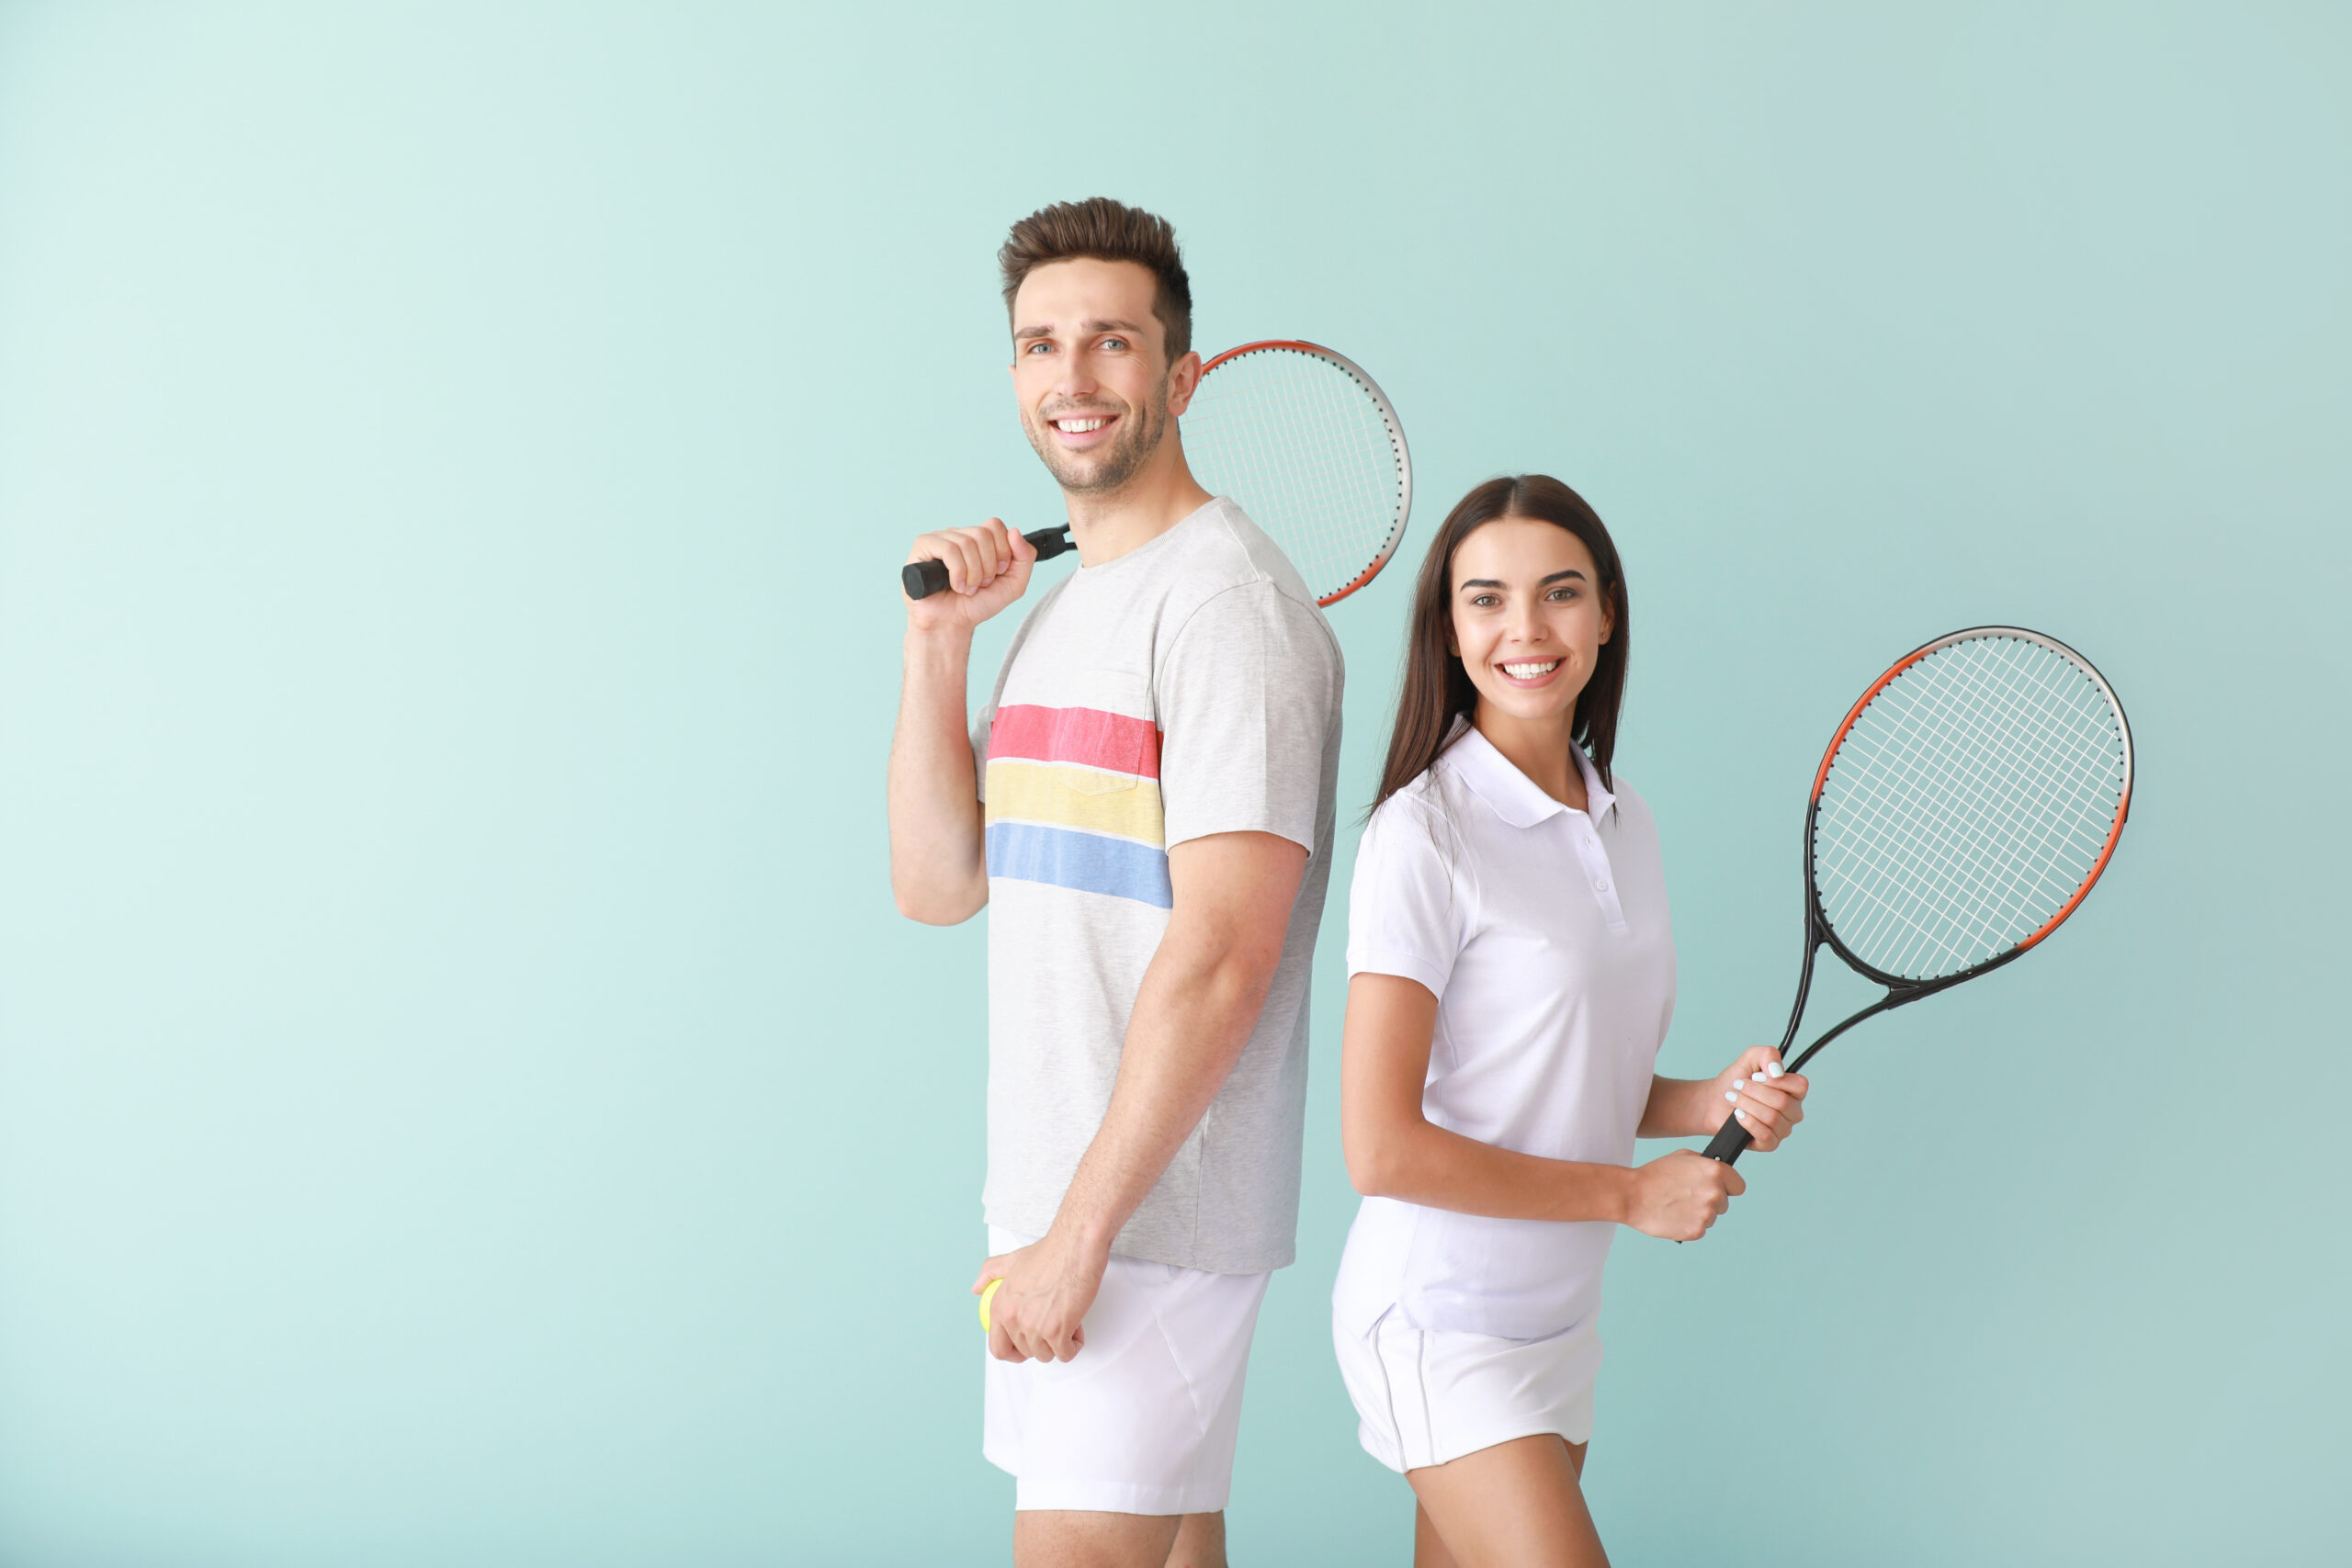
1601	884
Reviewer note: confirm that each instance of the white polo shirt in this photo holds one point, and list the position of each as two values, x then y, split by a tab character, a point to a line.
1542	933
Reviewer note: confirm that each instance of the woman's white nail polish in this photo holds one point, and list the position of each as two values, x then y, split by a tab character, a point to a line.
1733	1098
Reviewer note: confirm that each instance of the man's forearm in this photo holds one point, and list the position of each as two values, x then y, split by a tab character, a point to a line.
938	858
1193	1016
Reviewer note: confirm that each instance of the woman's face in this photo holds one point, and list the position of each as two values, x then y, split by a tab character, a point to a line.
1529	616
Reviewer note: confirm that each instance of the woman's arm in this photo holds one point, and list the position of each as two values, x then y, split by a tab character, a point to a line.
1767	1102
1394	1151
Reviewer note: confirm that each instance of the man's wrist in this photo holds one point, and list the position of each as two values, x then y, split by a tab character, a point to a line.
949	642
1091	1236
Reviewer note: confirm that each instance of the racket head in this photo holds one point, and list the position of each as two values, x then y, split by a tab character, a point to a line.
1966	806
1311	449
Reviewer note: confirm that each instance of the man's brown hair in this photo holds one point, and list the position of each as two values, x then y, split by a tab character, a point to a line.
1104	229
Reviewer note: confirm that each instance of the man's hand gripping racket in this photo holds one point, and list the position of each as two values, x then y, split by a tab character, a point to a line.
1299	436
1964	808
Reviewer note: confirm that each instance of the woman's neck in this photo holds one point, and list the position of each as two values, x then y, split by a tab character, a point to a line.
1542	749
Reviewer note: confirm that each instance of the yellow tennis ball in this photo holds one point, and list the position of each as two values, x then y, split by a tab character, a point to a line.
986	1296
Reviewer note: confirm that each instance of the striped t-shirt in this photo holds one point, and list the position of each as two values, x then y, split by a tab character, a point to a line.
1187	688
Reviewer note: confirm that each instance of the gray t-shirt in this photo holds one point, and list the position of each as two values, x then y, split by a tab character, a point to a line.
1189	687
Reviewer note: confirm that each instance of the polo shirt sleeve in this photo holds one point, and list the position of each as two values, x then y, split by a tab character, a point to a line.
1409	912
1248	699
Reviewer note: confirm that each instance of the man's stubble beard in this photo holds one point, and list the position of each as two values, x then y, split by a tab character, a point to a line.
1146	431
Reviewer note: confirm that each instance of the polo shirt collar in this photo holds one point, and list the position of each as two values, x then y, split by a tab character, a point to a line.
1510	793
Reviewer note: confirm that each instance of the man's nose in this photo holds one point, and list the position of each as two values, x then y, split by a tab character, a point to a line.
1077	377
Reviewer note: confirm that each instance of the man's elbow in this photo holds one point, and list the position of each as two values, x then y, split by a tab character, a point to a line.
1243	969
933	907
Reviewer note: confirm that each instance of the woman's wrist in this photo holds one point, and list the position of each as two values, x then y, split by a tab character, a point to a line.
1596	1191
1677	1108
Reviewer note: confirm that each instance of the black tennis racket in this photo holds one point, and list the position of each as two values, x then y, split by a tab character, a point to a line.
1308	445
1964	808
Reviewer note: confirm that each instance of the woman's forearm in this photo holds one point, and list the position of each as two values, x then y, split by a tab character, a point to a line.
1425	1164
1680	1108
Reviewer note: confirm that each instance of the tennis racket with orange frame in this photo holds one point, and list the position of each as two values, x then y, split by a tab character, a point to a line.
1964	810
1306	443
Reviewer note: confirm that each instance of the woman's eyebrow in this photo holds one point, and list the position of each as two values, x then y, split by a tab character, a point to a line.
1490	583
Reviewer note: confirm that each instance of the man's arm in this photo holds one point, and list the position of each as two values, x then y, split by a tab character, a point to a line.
938	855
1194	1015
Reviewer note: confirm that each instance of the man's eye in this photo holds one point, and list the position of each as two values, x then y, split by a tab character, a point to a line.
1039	348
1117	343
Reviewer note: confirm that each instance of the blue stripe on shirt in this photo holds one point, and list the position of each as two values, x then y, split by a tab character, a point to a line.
1087	862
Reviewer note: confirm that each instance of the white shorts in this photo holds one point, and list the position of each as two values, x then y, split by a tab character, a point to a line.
1426	1398
1143	1420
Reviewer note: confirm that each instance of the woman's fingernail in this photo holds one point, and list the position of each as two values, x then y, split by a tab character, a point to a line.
1774	1069
1733	1098
1742	1117
1739	1083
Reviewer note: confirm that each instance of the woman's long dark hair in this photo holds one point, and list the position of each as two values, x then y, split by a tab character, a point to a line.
1437	689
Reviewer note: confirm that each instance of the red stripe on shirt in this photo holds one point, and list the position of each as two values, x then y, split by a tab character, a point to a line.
1110	741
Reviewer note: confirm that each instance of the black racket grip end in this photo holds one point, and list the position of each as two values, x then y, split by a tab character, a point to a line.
1729	1140
921	579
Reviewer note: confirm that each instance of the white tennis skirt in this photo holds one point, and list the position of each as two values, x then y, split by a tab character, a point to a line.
1425	1397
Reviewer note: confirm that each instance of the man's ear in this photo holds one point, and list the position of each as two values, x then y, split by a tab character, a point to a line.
1183	378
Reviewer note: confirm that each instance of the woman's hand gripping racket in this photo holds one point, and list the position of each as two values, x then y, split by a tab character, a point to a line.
1963	811
1308	445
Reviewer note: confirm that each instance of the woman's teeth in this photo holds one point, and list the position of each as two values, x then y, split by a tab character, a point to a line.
1530	671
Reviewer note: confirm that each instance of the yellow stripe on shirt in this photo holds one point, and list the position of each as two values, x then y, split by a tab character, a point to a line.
1067	796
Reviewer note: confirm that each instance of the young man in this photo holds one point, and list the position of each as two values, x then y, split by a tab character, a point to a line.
1146	805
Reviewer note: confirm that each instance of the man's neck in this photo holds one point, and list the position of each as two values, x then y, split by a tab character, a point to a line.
1162	494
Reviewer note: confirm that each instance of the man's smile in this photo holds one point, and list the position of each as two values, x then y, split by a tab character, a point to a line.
1082	428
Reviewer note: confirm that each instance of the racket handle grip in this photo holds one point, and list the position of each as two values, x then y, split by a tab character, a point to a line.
1729	1140
921	579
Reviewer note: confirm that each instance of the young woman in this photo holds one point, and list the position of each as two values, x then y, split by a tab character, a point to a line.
1511	977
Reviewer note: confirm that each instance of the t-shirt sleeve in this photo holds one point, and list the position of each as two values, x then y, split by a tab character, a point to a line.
1407	912
980	728
1247	698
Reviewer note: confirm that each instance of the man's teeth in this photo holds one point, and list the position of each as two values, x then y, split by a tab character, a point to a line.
1529	672
1079	426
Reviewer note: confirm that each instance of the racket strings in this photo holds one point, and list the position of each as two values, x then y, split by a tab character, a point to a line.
1974	795
1310	455
1970	796
1967	805
1974	800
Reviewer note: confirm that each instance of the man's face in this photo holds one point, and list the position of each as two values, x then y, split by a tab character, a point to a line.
1090	372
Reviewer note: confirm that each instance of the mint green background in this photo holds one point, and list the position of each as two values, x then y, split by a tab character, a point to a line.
465	1094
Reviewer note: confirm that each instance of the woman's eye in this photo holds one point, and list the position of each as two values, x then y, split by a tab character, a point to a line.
1485	602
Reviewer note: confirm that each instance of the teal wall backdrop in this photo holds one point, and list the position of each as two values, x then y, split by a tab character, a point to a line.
464	1094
